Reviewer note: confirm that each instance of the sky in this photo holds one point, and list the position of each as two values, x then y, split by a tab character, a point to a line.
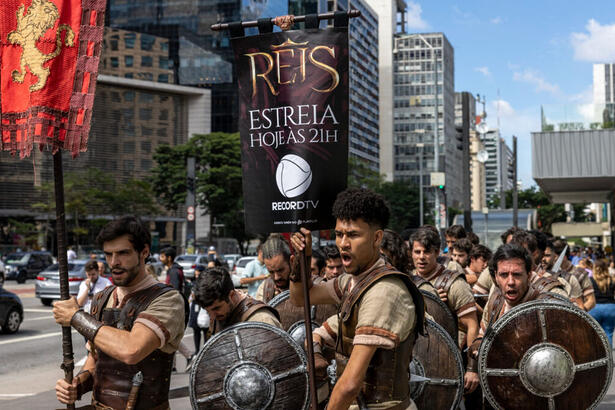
522	55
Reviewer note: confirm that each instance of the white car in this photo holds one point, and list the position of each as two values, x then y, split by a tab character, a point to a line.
231	259
241	263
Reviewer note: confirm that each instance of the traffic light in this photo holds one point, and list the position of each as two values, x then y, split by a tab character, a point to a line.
459	136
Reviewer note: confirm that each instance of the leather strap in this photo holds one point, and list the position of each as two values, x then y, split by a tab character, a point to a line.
86	324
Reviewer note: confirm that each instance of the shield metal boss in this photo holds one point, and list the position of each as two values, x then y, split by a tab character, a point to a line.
250	366
289	313
436	370
545	355
297	332
440	313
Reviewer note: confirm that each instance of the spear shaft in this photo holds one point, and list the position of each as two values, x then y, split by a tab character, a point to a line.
68	363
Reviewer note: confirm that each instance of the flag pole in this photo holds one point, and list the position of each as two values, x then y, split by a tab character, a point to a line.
304	268
68	363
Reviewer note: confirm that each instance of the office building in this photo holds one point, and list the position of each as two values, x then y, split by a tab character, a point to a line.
414	105
498	167
604	95
389	13
477	172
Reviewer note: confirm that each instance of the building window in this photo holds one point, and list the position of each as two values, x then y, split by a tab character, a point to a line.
164	115
129	165
146	147
147	42
129	147
163	78
145	113
163	62
115	63
146	97
128	75
129	96
113	44
146	61
146	164
129	40
164	46
128	61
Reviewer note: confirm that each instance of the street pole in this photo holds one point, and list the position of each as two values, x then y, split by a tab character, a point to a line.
515	198
191	203
436	139
467	197
421	211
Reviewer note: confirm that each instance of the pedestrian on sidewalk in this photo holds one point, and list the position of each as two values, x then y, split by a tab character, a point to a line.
604	289
93	284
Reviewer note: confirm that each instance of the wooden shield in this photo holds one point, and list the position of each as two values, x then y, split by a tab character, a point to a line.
289	313
545	355
250	366
440	313
436	370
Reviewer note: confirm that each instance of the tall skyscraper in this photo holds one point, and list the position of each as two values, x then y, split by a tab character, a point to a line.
604	94
388	12
498	177
414	106
200	56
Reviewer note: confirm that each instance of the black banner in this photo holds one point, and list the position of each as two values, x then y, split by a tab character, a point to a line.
293	107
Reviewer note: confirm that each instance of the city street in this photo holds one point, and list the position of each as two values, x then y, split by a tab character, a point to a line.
30	360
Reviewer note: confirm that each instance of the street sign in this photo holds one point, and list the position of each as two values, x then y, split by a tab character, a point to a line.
190	217
438	179
190	209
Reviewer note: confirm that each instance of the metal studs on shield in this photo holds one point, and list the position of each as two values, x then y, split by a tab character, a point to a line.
250	366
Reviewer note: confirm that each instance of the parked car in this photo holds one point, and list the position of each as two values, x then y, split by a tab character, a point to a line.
189	262
2	274
26	265
11	311
241	263
231	259
47	287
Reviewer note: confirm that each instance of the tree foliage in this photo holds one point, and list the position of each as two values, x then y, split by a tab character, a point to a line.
218	179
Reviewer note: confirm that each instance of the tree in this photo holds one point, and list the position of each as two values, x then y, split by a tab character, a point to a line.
360	175
218	179
403	199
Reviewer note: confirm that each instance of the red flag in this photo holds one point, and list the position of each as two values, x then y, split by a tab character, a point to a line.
49	54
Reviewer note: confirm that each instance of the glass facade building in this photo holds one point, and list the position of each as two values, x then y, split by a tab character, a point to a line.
414	100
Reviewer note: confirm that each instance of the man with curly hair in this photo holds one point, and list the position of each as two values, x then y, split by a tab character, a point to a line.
381	310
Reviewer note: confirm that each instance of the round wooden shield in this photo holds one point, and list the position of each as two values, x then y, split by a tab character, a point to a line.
289	313
440	313
436	370
545	355
250	366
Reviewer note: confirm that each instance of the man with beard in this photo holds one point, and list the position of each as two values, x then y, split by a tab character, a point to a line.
333	262
214	291
276	255
461	252
135	325
453	290
381	310
510	268
552	252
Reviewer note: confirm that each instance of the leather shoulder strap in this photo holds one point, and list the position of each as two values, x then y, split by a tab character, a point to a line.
418	280
495	306
445	279
251	305
349	299
139	301
268	289
100	301
545	284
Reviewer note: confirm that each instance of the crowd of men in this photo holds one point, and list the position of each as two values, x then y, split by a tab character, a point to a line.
373	276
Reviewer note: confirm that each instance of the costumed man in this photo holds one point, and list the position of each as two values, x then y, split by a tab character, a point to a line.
134	326
545	281
510	268
276	255
461	252
214	291
381	310
452	288
317	268
395	250
553	250
333	262
478	260
454	233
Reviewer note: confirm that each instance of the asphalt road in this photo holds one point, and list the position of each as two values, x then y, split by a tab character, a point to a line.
30	360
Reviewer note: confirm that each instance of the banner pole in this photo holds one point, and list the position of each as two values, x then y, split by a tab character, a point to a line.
303	263
68	363
297	19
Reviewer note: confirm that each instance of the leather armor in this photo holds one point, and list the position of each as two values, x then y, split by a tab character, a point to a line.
241	313
388	372
113	378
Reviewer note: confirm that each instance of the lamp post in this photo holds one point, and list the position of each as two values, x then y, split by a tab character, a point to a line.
420	146
436	139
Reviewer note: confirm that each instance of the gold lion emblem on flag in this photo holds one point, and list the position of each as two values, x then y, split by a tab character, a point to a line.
41	16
